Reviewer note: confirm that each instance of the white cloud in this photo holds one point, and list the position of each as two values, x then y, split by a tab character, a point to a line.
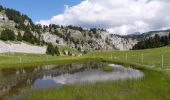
118	16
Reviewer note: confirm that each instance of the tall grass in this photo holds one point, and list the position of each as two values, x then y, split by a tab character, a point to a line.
154	86
150	58
28	60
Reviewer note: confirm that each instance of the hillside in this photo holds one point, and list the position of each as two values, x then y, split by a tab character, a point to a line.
83	40
155	83
76	39
149	34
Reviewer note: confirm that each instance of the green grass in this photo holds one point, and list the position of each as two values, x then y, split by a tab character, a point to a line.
152	58
28	60
155	85
107	68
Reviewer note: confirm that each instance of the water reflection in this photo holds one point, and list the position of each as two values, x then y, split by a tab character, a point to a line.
14	81
96	75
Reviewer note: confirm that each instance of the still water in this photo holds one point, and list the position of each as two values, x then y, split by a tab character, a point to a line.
15	81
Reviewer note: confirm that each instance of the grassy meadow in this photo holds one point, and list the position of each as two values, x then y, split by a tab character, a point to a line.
155	85
149	58
13	60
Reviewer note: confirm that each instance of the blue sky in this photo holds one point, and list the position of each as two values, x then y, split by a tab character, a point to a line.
117	16
39	9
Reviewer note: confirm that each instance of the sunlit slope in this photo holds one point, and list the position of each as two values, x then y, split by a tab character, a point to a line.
155	58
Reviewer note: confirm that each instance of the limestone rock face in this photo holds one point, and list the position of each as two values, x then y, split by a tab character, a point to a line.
113	41
50	38
26	22
5	23
71	38
3	16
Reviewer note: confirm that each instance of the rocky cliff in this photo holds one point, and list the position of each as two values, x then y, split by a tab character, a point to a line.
66	36
69	37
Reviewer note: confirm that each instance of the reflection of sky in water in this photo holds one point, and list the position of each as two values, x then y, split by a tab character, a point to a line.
93	75
48	83
17	81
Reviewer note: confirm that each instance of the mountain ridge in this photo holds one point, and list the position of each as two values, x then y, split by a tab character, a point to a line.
84	40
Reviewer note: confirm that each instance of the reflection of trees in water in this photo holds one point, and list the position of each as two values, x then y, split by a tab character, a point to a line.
15	80
15	84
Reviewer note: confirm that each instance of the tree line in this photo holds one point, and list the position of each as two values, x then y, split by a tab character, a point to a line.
153	42
9	35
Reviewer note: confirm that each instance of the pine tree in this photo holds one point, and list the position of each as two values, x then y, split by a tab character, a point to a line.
1	8
164	41
157	41
19	37
50	49
4	36
57	51
79	49
7	35
153	42
28	37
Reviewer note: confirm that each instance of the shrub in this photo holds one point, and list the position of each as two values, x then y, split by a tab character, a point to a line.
51	50
57	51
7	35
19	37
28	37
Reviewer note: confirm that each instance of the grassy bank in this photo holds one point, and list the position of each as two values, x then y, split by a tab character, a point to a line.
150	58
28	60
154	86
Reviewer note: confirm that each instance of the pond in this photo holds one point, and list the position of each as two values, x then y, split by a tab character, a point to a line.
16	81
